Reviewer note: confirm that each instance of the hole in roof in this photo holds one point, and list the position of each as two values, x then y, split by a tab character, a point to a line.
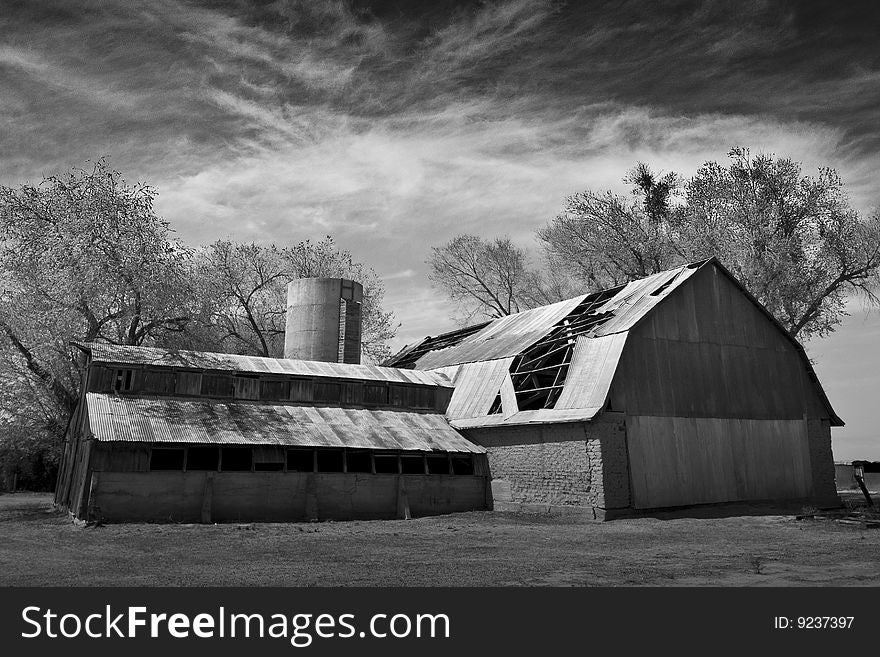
660	289
539	373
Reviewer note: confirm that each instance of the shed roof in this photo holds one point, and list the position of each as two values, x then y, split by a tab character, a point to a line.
205	360
174	420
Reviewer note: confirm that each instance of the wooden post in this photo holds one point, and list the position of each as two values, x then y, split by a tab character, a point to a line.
402	500
207	497
92	511
859	476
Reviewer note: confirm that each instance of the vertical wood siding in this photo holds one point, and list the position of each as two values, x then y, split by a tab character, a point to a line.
707	351
678	461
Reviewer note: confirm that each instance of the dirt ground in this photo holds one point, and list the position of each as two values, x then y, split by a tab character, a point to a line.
40	547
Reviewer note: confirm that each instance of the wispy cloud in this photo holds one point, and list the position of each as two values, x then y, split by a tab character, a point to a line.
395	127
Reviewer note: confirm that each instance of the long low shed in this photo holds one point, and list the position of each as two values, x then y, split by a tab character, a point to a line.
197	437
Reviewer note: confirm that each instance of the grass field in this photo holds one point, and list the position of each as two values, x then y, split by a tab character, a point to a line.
40	547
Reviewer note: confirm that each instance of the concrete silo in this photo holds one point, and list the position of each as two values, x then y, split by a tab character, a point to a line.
324	320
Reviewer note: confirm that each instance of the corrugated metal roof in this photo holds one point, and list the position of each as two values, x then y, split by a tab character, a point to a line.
506	336
541	416
164	420
593	364
204	360
596	354
592	368
513	334
477	385
639	297
587	384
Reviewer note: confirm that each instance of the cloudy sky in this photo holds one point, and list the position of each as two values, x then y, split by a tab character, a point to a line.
395	125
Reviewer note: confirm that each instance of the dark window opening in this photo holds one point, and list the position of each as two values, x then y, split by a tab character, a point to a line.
202	458
412	464
438	464
166	458
237	459
274	390
330	460
268	467
385	463
329	392
462	464
358	462
496	405
217	385
300	460
124	380
375	394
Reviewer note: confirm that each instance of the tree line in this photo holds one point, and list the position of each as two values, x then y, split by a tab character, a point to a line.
85	257
793	240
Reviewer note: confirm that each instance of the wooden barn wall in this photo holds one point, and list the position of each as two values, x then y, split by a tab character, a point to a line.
121	457
65	471
677	461
707	351
74	455
278	496
78	490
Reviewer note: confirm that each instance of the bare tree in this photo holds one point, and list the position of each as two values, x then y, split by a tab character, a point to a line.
246	285
490	278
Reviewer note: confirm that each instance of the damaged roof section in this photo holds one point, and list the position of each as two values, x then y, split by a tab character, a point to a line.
551	364
409	356
603	313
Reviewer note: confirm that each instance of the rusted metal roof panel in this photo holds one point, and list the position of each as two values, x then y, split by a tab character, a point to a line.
476	387
591	371
204	360
506	336
170	420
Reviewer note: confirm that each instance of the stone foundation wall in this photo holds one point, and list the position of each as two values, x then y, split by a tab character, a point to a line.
574	464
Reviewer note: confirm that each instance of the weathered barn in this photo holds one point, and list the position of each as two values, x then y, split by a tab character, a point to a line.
674	390
189	436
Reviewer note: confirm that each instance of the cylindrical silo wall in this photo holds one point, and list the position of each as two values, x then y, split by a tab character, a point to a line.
324	320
